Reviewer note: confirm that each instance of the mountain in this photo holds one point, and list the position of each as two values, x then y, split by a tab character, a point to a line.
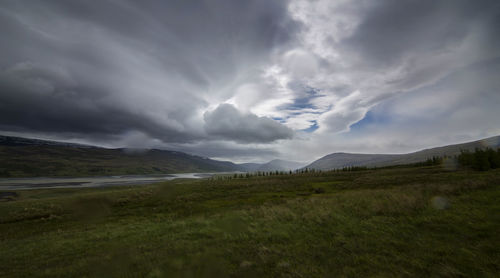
273	165
23	157
19	141
280	165
339	160
249	167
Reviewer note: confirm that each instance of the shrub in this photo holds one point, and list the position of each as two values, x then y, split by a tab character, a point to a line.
481	160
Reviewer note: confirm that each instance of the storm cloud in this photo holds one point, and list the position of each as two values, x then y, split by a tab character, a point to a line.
226	122
114	67
251	80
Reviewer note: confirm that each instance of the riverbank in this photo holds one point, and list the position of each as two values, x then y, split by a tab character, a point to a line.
81	182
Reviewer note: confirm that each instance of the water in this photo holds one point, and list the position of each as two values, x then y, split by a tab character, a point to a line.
81	182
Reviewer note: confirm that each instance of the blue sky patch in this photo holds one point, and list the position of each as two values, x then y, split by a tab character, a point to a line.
312	128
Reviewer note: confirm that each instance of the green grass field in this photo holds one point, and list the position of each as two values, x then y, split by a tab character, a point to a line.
399	222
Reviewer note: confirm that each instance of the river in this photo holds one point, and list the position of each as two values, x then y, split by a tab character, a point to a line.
81	182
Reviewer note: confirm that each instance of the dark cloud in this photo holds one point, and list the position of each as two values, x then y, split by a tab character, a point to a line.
148	73
393	29
226	122
209	38
37	99
115	67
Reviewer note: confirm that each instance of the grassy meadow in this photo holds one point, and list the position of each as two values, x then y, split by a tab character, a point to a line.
393	222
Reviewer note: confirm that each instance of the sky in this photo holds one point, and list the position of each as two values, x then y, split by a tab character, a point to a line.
251	81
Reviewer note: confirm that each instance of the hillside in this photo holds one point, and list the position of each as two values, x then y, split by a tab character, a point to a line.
249	167
339	160
22	157
280	165
273	165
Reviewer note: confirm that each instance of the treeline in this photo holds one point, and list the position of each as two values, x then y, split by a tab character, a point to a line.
304	171
265	174
435	160
314	172
480	159
350	169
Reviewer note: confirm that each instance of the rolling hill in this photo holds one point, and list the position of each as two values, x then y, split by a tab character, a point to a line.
340	160
249	167
280	165
23	157
273	165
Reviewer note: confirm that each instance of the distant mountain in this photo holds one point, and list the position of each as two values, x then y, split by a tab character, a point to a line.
249	167
273	165
340	160
280	165
23	157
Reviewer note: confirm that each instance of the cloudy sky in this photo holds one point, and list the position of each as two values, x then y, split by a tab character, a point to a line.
251	80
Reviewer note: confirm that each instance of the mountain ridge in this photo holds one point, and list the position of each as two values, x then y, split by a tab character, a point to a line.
342	159
280	165
24	157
